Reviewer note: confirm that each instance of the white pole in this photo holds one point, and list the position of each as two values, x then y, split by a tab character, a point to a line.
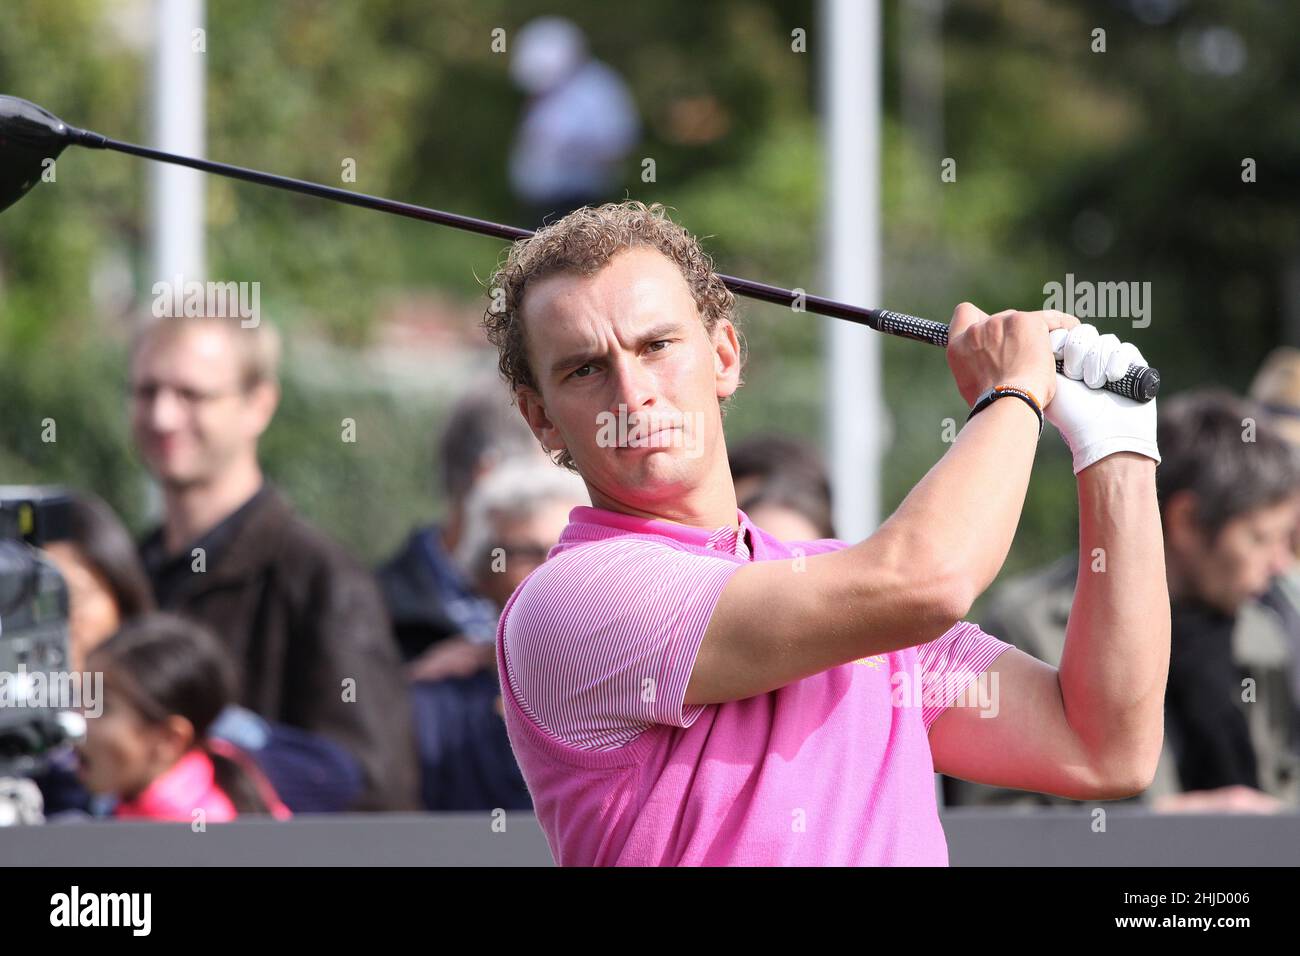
855	422
176	193
176	207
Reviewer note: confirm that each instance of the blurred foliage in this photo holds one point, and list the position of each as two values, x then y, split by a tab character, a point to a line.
1115	166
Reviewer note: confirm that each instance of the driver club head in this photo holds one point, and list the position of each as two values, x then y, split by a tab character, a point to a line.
29	135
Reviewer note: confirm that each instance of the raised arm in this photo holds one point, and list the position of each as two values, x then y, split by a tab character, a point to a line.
1092	729
779	621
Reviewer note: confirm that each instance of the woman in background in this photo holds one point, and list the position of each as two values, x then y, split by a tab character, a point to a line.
106	581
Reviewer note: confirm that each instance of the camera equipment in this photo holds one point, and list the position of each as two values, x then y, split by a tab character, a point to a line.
36	714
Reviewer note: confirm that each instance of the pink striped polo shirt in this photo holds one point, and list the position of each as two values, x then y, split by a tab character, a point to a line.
595	650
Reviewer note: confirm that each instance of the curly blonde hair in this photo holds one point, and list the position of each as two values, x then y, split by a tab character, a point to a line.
582	243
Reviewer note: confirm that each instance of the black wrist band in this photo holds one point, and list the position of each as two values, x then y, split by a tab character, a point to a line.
1002	391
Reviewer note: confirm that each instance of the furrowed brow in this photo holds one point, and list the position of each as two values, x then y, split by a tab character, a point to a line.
576	359
573	361
660	331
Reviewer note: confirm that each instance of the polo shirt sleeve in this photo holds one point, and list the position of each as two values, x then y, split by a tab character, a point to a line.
951	663
601	640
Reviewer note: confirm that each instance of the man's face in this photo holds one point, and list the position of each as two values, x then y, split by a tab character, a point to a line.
191	417
1241	562
629	380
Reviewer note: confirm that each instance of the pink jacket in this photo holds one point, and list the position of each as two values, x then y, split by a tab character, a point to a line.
190	785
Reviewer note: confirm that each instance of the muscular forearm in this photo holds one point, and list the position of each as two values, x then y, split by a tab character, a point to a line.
962	516
1116	657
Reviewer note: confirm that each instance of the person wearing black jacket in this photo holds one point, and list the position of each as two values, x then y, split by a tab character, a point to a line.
444	620
1227	487
304	623
444	626
1204	720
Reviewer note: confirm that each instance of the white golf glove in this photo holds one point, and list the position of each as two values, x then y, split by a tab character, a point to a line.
1093	422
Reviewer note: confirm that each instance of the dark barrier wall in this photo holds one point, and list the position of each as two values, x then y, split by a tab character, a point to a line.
975	838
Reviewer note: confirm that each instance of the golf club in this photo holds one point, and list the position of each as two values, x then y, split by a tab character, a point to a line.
30	136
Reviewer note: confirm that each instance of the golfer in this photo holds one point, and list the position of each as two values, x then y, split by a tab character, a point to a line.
680	687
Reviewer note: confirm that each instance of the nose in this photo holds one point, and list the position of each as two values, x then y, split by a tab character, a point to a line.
161	410
633	383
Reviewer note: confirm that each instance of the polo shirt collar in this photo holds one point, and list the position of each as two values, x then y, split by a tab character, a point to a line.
725	538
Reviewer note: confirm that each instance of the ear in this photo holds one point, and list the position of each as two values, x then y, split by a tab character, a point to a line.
263	399
726	358
533	408
175	736
1182	530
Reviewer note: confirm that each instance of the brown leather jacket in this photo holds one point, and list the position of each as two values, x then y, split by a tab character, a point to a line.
311	640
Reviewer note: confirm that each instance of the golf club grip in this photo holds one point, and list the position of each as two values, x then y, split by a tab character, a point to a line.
1141	383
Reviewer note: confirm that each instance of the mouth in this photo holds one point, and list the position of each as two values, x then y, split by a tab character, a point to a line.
651	442
163	446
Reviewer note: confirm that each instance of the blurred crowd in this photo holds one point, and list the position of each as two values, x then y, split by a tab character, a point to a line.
250	665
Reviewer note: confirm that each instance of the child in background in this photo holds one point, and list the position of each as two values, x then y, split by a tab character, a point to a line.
165	681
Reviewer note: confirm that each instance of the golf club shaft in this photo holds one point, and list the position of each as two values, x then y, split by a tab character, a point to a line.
1141	383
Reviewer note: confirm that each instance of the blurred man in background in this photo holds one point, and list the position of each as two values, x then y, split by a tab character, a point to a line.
1277	389
782	485
1227	490
444	626
513	518
578	125
506	505
303	622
